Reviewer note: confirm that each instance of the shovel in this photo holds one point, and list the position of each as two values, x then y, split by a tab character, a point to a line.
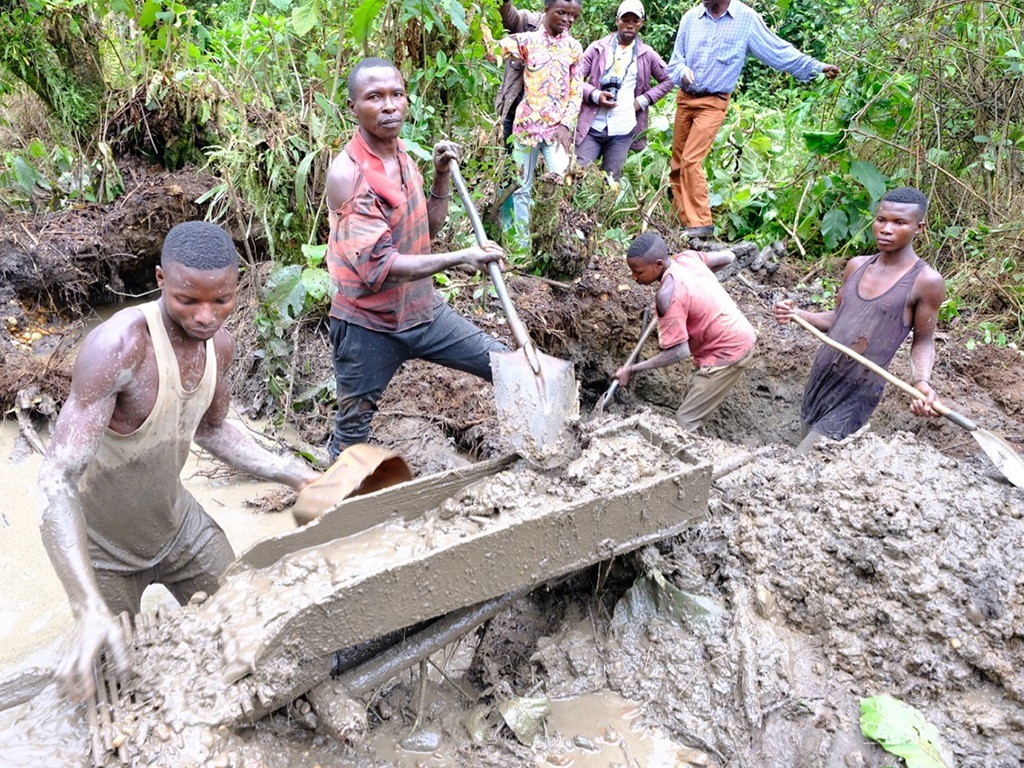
536	395
610	393
1001	452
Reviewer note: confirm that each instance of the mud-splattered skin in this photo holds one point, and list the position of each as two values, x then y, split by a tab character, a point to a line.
114	386
894	228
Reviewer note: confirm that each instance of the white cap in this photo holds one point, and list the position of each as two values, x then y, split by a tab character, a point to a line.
630	6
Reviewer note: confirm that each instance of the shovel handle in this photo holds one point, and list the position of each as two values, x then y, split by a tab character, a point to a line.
519	332
607	396
956	418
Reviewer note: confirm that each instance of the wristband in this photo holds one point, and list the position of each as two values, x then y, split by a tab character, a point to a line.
439	197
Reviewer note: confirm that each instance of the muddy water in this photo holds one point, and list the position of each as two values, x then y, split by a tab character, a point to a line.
32	601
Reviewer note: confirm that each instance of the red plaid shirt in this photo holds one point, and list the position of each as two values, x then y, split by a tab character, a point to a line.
366	236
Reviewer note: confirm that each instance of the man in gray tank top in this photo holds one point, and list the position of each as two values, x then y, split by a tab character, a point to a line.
114	515
883	298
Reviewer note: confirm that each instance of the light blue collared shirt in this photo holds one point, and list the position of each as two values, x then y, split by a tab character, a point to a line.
716	49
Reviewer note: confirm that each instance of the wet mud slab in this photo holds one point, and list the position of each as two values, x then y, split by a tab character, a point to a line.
268	634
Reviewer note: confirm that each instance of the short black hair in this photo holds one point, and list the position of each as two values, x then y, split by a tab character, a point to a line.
199	245
370	62
645	244
549	3
908	196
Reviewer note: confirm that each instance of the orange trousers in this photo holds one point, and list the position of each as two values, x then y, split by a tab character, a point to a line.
698	119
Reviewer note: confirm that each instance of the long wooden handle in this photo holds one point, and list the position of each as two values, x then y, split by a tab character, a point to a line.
519	332
949	413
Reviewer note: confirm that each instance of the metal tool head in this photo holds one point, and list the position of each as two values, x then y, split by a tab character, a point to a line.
1006	459
536	410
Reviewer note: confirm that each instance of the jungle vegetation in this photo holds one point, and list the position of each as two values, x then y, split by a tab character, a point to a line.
932	95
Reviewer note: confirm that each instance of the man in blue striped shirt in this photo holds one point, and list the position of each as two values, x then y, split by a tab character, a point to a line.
711	48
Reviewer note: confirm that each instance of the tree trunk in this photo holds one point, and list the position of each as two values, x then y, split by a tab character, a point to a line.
56	54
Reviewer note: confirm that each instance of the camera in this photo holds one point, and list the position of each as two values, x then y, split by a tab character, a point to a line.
611	85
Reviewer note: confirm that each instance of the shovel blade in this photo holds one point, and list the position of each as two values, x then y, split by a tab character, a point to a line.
535	410
1006	459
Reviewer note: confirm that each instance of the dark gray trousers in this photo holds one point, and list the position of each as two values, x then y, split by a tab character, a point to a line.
365	362
611	149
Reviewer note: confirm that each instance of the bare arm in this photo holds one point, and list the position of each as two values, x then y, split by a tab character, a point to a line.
666	357
107	362
784	310
236	448
922	350
716	260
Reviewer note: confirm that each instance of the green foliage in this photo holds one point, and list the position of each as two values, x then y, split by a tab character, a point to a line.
52	46
931	95
292	291
52	178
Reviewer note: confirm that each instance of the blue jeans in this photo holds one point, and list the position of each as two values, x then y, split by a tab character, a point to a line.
365	362
557	161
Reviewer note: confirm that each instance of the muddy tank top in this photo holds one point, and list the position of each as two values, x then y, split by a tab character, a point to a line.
841	394
131	492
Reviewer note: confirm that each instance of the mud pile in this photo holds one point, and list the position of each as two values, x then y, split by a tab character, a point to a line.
874	566
877	567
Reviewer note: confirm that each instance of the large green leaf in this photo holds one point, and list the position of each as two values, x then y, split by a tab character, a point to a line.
26	175
835	226
363	17
316	282
901	730
869	177
824	142
302	175
305	17
286	290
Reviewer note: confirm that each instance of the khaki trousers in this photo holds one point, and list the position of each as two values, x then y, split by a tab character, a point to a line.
708	389
697	122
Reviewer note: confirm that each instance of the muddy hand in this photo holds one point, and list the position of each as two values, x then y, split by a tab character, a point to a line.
783	311
97	629
480	256
924	407
624	375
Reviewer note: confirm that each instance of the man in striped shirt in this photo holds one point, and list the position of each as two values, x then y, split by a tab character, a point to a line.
385	310
711	48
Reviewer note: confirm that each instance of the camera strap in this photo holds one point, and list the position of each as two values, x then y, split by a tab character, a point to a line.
616	58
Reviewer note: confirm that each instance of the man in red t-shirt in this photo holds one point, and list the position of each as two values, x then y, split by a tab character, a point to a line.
697	318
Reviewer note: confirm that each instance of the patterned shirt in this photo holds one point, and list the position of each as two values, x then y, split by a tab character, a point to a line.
552	84
716	49
366	235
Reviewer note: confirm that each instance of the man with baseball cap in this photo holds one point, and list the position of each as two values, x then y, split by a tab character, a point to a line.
618	71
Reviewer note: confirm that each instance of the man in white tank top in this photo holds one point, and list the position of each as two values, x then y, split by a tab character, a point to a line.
114	515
